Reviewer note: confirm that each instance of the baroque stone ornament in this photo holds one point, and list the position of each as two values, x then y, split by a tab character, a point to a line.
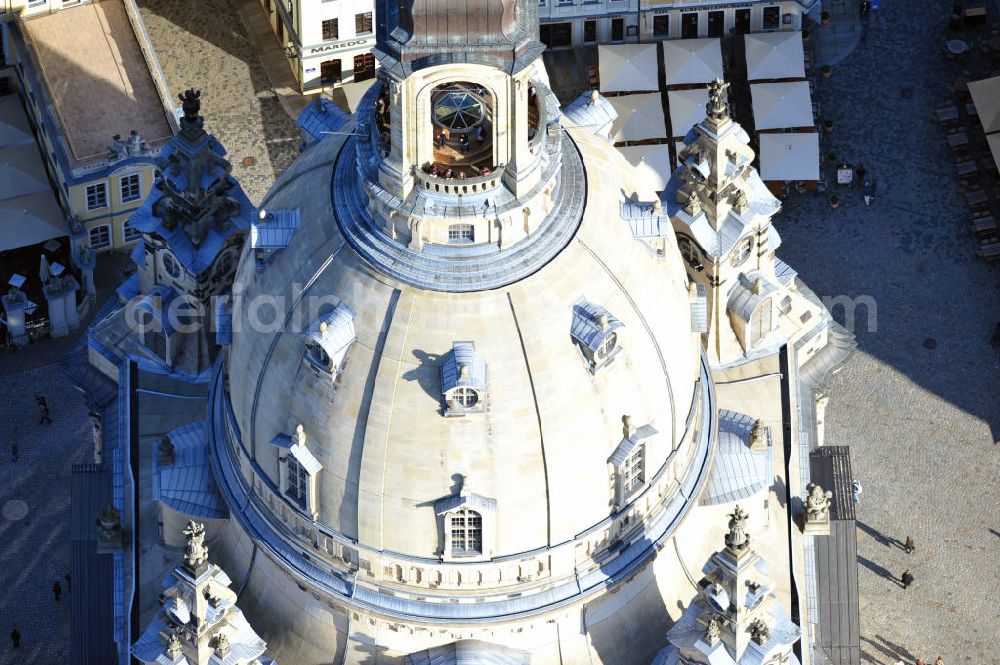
758	436
221	645
173	646
818	503
712	631
195	552
737	539
718	100
759	631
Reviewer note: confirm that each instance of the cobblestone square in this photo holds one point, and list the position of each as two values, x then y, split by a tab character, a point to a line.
36	547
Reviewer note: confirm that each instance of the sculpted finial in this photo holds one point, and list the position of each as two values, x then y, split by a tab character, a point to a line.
628	428
737	539
173	646
817	504
693	204
759	631
195	552
712	631
718	100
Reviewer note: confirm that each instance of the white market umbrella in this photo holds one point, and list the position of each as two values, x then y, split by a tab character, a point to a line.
689	61
43	269
652	162
627	67
994	141
775	55
639	117
986	96
781	105
687	109
789	156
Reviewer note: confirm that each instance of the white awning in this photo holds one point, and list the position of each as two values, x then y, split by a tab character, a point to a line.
21	171
639	117
652	162
687	108
781	105
789	156
775	55
627	67
29	220
994	141
689	61
986	96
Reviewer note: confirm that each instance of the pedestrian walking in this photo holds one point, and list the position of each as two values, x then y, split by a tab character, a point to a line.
868	192
860	172
15	638
44	408
939	661
921	661
856	490
437	139
13	450
479	135
57	590
909	546
907	579
465	143
69	583
875	4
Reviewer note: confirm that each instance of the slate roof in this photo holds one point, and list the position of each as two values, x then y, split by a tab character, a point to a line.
591	112
480	504
338	335
785	273
138	254
626	446
586	330
699	310
299	451
195	259
463	353
738	472
166	294
276	231
321	116
742	300
91	636
187	485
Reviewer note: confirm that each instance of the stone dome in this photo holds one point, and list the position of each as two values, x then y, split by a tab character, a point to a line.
379	425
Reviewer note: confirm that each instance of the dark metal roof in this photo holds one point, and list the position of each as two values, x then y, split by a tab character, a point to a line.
413	34
839	640
92	639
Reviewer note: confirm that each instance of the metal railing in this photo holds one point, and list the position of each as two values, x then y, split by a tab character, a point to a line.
476	185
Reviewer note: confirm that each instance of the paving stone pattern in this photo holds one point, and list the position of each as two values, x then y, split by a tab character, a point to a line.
203	45
35	550
922	423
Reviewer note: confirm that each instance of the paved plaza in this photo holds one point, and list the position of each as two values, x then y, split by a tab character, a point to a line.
204	45
922	423
36	543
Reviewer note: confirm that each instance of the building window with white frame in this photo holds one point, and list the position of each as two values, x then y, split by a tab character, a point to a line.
459	234
466	527
129	232
130	188
363	23
331	29
629	461
634	471
298	482
100	237
97	196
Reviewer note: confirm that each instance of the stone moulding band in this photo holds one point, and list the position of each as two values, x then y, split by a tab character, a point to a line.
374	598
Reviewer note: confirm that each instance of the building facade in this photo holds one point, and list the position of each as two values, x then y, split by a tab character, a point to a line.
327	43
99	149
566	23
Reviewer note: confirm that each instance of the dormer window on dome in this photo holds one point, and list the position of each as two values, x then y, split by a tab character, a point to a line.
298	469
594	329
628	461
329	338
463	380
468	525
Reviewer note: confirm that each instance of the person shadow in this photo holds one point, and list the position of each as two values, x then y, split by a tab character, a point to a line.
879	570
880	537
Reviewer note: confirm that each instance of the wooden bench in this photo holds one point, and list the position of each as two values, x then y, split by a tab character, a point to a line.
946	114
966	168
990	251
984	226
958	139
977	198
